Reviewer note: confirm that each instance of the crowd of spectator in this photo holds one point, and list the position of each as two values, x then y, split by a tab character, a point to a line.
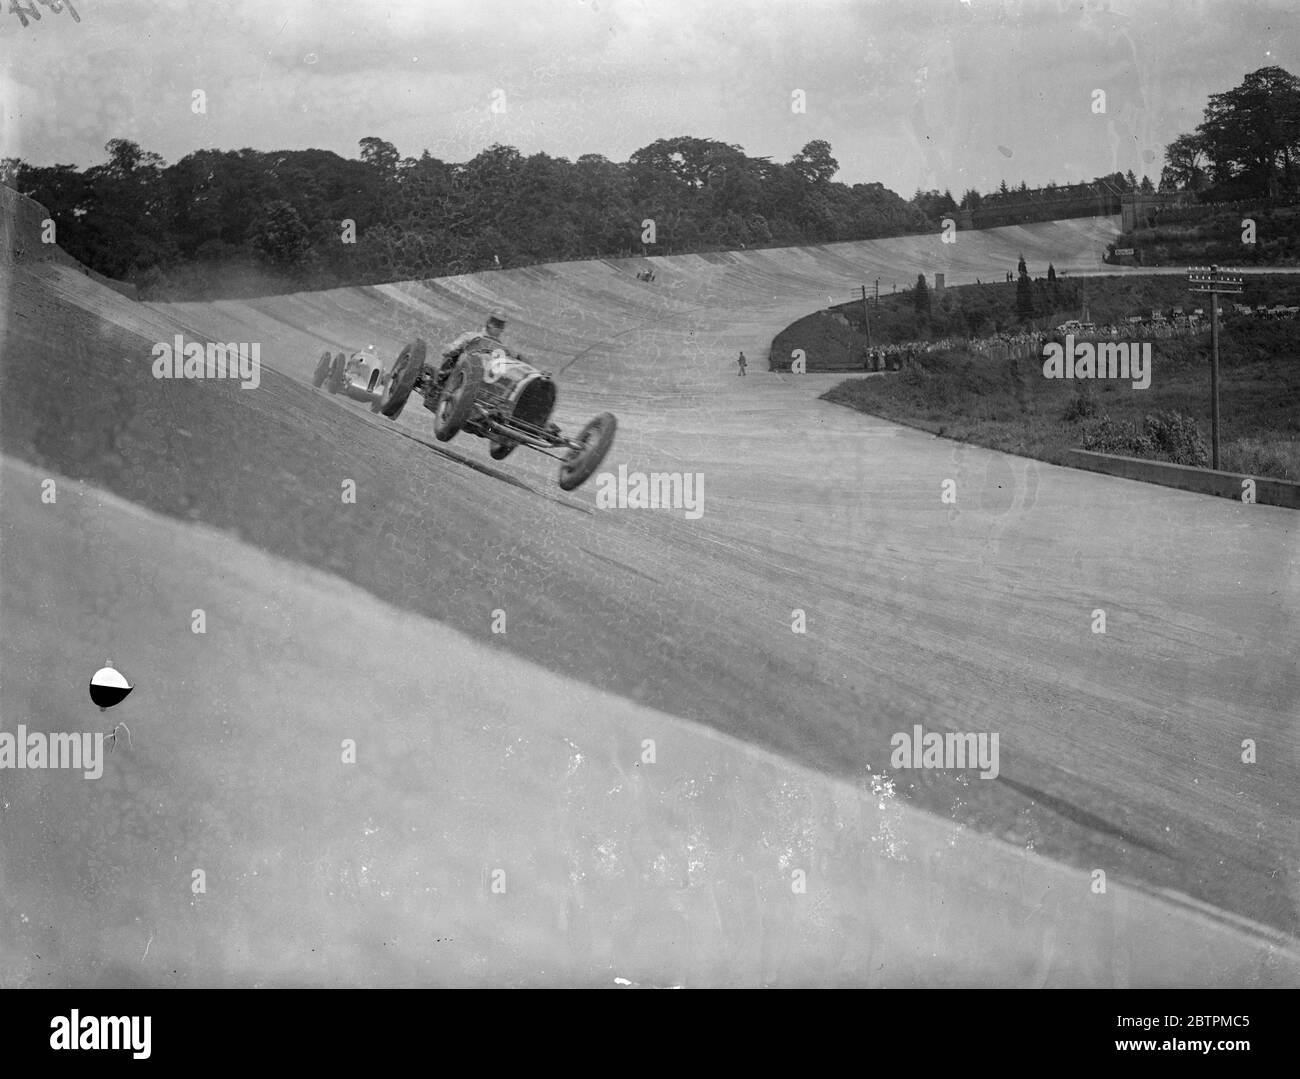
892	357
1155	325
1005	342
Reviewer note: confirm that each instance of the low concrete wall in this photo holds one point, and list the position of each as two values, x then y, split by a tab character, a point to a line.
21	220
1204	481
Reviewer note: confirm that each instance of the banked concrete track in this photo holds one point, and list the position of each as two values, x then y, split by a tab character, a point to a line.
502	823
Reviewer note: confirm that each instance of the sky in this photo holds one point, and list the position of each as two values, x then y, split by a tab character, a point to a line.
945	94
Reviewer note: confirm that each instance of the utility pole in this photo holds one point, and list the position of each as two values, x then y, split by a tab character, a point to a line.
1200	279
877	292
866	315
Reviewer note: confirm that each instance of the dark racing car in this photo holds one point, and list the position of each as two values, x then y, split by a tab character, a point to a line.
492	393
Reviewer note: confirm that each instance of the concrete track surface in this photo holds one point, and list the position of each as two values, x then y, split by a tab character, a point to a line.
503	823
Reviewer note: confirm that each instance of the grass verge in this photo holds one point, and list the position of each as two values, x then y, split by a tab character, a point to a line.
1012	407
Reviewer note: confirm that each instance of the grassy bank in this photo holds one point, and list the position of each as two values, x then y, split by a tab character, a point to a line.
1012	407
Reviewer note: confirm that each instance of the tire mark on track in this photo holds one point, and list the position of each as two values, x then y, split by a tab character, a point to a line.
1082	816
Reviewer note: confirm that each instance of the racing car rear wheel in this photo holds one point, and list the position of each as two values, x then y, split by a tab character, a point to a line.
322	370
406	369
335	384
456	402
595	439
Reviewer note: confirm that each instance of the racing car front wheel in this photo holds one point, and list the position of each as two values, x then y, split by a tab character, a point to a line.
406	369
322	370
594	442
456	402
336	378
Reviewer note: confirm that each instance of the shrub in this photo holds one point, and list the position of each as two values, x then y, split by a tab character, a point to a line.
1109	435
1164	436
1082	406
1176	437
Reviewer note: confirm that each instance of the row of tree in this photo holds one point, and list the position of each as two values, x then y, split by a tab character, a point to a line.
319	219
916	314
1033	298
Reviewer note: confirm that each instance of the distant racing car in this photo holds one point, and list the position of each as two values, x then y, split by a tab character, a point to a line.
492	393
360	375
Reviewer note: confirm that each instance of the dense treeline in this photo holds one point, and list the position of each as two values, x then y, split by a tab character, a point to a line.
1247	145
229	221
243	221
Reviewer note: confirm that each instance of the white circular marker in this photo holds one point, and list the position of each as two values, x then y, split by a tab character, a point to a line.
108	687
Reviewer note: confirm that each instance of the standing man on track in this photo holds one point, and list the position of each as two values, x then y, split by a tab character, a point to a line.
742	362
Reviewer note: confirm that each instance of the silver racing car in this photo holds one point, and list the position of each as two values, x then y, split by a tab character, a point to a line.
359	375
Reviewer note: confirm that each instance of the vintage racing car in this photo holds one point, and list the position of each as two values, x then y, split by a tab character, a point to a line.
360	375
492	393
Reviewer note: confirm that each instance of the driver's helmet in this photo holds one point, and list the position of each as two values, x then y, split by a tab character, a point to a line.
496	324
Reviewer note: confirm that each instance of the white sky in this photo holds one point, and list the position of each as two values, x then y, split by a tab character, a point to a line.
929	93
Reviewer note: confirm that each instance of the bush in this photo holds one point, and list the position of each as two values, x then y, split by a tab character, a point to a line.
1176	438
1109	435
1165	436
1083	406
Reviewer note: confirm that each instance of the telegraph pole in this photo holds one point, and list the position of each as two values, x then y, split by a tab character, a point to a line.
866	315
1201	279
